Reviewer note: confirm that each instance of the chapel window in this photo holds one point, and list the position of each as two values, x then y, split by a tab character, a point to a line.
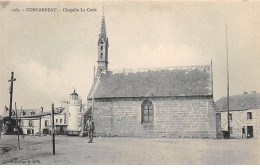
147	112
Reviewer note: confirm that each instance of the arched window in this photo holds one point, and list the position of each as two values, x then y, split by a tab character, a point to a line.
101	48
147	112
101	55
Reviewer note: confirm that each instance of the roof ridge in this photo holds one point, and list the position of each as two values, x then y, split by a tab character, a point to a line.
154	69
240	95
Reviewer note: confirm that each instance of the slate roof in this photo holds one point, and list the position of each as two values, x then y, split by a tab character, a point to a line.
27	112
163	82
240	102
35	112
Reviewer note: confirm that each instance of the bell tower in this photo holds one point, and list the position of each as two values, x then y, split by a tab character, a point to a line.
102	49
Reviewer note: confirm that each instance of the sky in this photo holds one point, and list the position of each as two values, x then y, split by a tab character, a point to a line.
53	53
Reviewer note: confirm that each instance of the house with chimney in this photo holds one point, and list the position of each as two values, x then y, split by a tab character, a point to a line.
244	115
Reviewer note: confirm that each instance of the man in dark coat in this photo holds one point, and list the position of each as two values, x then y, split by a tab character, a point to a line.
90	128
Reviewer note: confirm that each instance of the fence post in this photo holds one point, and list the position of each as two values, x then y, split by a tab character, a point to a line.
53	130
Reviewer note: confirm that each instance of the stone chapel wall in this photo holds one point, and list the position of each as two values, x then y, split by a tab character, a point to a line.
173	117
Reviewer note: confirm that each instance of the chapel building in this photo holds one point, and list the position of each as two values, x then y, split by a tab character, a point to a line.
160	102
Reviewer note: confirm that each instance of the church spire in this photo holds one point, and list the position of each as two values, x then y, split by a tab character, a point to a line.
103	26
102	48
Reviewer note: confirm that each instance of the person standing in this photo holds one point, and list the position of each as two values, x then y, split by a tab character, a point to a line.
243	132
90	128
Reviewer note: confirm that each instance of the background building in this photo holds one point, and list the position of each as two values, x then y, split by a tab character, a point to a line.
32	121
244	112
35	121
